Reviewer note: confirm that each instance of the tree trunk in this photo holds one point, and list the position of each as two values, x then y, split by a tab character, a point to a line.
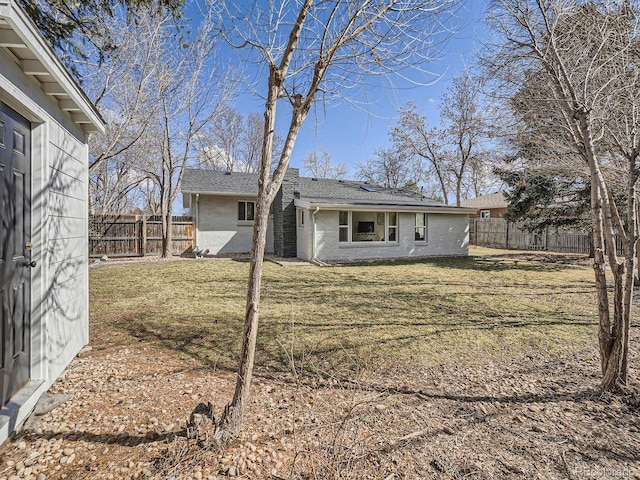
612	339
637	266
229	426
167	234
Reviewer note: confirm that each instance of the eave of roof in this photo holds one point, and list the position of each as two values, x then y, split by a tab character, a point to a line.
220	194
23	42
346	204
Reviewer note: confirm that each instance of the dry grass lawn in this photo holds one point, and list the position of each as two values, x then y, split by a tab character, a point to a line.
332	319
483	367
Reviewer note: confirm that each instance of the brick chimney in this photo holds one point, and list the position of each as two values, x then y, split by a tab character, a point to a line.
284	216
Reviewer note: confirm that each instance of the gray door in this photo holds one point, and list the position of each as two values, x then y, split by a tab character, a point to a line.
15	218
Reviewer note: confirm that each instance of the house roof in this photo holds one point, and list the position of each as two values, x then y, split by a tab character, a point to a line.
219	183
22	42
492	200
313	192
323	190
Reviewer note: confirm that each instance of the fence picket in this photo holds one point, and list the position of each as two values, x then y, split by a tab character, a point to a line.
123	235
497	232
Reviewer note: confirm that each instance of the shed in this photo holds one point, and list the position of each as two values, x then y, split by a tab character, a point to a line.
45	120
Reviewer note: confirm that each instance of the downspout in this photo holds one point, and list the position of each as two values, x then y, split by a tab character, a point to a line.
313	234
195	232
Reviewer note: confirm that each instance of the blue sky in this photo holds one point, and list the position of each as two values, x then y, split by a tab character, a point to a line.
350	134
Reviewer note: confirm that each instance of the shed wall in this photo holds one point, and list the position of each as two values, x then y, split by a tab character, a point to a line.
59	282
66	263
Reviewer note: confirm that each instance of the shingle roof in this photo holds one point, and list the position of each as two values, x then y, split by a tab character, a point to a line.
348	191
492	200
209	181
320	190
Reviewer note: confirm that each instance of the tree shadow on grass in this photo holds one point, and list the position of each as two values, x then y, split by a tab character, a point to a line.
217	345
483	264
388	310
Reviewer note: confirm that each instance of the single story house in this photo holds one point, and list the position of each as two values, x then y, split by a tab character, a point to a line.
45	119
322	219
492	205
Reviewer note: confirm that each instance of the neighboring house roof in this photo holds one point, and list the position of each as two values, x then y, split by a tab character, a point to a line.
312	191
492	200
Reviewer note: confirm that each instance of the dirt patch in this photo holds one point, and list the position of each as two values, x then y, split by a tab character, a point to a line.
534	418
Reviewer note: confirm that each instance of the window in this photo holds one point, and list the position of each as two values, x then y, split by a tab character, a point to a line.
367	227
343	226
301	218
392	226
485	213
421	227
246	211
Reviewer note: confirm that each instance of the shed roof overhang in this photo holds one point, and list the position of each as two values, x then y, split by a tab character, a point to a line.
338	204
22	42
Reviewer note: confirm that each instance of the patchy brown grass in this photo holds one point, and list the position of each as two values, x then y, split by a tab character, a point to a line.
482	367
332	317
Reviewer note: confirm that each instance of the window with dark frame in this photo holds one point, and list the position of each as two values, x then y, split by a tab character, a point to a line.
367	226
421	227
343	226
246	211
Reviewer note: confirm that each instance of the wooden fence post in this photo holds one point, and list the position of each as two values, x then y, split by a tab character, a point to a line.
546	239
143	251
475	228
506	236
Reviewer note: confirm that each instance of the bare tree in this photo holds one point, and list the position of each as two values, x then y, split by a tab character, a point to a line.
454	152
310	49
122	87
463	129
232	143
580	54
390	168
114	183
188	93
252	142
317	163
218	144
413	135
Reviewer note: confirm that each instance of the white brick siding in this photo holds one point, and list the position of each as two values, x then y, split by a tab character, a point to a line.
218	228
447	235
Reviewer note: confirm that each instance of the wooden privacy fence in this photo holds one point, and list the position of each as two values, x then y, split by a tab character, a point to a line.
497	232
123	235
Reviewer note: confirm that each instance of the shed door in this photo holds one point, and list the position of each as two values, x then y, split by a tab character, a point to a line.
15	216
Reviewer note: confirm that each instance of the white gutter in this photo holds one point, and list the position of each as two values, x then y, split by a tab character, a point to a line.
313	234
385	207
221	194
